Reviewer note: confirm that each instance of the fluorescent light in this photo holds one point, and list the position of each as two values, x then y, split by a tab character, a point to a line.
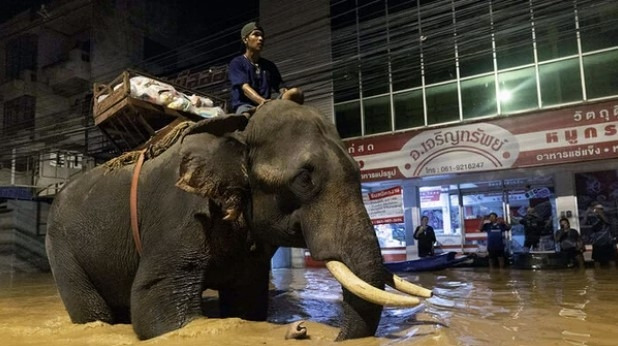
504	96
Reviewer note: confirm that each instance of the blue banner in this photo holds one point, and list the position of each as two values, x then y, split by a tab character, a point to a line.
16	192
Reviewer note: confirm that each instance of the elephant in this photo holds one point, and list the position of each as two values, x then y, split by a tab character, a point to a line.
212	207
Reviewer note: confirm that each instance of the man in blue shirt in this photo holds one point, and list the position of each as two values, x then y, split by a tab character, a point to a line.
495	239
254	79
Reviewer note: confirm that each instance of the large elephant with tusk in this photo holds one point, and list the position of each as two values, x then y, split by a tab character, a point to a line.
211	204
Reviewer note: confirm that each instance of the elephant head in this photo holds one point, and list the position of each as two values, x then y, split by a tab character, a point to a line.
302	189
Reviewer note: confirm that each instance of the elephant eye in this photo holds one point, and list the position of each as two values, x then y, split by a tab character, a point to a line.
302	185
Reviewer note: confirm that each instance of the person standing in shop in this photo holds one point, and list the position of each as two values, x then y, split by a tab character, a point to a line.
533	226
425	238
495	240
602	237
571	245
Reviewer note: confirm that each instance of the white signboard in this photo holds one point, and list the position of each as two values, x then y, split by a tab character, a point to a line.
385	206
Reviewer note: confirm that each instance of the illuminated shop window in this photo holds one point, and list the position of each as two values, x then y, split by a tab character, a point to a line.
517	90
439	204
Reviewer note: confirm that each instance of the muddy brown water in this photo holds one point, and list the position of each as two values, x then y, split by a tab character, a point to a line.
471	306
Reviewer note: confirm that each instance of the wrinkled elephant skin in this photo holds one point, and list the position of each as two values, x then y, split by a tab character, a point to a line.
212	209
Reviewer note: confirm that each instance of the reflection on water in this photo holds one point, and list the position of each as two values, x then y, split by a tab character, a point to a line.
471	306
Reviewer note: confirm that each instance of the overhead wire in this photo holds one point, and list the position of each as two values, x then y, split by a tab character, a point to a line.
364	46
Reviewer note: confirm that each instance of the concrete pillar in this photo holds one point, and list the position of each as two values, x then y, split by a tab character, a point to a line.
411	216
566	197
298	258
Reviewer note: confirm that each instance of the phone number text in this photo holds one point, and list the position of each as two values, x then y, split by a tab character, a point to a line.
462	167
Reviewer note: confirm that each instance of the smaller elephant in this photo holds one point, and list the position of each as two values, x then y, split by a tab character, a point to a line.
211	206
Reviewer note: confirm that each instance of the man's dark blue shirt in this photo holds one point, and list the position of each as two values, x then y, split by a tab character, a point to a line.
264	77
495	239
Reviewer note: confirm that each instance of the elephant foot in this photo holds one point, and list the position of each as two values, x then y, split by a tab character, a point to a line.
296	331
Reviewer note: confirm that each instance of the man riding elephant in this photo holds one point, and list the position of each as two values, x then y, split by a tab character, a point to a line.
211	209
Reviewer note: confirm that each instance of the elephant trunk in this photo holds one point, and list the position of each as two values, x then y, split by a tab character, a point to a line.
352	254
360	318
363	276
364	260
362	302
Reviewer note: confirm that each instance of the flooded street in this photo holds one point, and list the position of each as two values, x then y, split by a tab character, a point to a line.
471	306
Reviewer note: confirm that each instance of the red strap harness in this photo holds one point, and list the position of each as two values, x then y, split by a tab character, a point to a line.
133	202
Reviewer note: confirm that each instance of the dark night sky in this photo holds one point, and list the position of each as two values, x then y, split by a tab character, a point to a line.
9	8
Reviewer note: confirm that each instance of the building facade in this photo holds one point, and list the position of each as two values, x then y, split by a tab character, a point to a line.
453	109
50	56
44	85
474	107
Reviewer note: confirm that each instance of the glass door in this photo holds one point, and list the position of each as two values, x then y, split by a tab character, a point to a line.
525	196
457	212
441	205
478	201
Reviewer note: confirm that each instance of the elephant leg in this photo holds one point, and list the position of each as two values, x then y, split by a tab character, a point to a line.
81	299
249	299
165	297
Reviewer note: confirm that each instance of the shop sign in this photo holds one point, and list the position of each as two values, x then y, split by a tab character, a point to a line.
199	79
385	206
477	147
573	134
430	196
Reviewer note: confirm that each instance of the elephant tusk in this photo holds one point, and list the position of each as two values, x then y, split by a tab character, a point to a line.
409	288
360	288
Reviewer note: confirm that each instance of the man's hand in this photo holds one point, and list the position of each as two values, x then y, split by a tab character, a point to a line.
252	94
262	103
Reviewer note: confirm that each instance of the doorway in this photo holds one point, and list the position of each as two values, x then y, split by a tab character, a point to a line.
457	211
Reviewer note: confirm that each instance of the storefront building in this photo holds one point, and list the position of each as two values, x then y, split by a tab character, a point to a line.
558	161
469	108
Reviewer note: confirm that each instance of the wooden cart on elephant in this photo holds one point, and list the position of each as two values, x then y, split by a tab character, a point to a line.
135	108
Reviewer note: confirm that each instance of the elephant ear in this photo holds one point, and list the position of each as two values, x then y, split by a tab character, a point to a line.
219	126
214	167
